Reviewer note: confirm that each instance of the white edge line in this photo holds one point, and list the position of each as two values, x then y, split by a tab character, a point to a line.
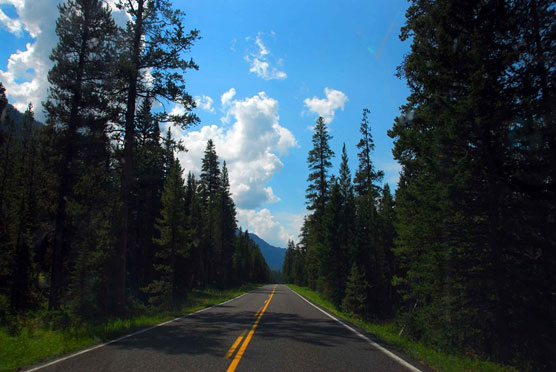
384	350
128	335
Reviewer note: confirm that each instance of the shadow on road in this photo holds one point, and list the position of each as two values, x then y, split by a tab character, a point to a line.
210	332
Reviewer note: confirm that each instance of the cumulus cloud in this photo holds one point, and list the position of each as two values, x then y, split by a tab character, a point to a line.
260	63
251	147
204	102
265	225
326	107
13	26
226	98
25	77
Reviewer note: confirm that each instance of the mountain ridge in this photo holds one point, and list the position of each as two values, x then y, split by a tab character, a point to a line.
273	255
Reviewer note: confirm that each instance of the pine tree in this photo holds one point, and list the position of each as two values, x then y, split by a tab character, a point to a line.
319	161
3	104
7	141
228	227
210	174
6	173
355	300
78	98
288	265
210	185
195	224
468	222
172	244
386	217
155	40
151	163
365	251
331	252
317	193
366	176
23	215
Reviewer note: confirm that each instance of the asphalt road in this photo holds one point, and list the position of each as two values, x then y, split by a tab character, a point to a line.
269	329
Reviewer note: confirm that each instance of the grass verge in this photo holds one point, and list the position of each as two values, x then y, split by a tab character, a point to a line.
388	332
36	343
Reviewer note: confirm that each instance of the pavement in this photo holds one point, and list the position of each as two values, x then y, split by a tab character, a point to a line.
269	329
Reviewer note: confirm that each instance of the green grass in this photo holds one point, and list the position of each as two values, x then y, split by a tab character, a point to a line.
388	332
35	342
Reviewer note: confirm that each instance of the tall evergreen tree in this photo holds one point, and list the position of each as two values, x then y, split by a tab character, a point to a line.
151	163
228	227
319	161
168	289
287	266
366	176
154	40
317	193
366	251
386	220
331	252
23	215
338	241
195	224
468	224
210	189
7	141
210	174
78	98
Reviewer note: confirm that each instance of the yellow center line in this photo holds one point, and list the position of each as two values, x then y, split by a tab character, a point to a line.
235	345
239	354
259	311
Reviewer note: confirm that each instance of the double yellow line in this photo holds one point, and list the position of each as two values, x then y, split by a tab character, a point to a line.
259	315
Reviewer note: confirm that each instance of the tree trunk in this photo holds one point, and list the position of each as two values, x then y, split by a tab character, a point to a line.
127	159
66	178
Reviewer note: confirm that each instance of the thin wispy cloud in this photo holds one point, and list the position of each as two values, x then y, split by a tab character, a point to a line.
384	40
260	61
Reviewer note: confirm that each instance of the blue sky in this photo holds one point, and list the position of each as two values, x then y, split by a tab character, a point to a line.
268	69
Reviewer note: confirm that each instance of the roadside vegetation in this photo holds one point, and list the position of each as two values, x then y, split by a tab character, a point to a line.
43	335
388	332
101	229
462	252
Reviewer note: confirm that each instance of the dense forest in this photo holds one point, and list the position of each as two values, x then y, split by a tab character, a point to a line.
464	255
96	217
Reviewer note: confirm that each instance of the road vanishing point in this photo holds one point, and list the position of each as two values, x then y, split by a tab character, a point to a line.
269	329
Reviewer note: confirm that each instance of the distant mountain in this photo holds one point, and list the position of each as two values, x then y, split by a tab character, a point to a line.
274	256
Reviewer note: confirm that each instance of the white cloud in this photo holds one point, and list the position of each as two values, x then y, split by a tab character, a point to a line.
392	170
260	64
251	147
265	225
275	229
204	102
326	107
226	98
14	26
25	77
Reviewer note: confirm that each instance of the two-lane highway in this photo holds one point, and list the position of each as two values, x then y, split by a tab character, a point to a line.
269	329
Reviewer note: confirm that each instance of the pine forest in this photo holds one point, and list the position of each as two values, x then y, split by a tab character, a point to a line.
99	219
